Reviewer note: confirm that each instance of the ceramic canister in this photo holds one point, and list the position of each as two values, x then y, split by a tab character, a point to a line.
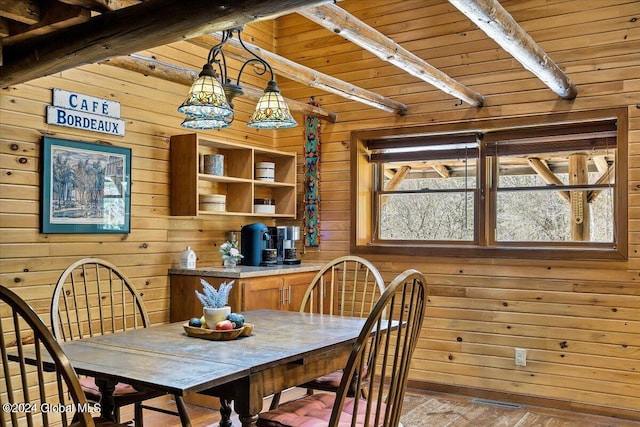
213	202
265	206
265	171
213	164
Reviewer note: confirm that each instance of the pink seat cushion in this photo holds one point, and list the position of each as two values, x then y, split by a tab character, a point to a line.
311	411
330	380
90	388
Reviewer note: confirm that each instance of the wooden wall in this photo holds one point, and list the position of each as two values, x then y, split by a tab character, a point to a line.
580	321
31	262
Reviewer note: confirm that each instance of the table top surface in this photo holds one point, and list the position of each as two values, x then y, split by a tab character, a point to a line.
166	357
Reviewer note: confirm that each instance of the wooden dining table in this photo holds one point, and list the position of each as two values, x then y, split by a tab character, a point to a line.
285	349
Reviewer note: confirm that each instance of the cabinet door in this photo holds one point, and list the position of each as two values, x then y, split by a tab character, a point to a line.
295	286
262	292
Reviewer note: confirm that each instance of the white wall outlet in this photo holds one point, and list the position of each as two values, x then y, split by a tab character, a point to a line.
521	357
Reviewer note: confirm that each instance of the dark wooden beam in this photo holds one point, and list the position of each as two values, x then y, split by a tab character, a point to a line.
25	11
132	29
54	16
169	72
351	28
497	23
102	5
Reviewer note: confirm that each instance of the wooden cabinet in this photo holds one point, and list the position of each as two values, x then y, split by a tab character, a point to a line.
276	292
238	183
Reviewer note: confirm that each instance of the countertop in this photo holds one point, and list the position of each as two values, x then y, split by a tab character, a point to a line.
243	271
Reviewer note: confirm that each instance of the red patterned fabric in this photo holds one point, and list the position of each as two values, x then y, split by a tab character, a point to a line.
311	411
90	388
330	380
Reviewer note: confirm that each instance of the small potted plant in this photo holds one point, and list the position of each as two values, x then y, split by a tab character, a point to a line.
230	253
214	302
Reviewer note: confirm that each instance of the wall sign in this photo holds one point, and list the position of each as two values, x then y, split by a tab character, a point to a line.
85	112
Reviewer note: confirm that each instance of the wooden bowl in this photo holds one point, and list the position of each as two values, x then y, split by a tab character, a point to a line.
212	334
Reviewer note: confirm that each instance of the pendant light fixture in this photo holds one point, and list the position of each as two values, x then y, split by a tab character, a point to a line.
209	103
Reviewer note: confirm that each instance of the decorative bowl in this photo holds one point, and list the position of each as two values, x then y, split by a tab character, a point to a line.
214	335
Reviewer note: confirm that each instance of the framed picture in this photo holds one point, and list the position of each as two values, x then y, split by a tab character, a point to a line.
86	188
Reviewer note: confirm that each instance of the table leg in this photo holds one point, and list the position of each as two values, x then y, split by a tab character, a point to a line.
107	404
225	413
249	421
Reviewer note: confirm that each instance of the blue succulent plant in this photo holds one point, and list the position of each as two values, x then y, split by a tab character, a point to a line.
213	297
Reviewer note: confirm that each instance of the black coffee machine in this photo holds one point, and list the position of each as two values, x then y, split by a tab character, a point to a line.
283	239
254	241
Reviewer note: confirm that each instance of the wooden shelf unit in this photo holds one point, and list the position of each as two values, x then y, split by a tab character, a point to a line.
238	183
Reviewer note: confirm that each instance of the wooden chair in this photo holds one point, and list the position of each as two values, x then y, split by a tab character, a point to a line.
381	353
92	297
346	286
32	392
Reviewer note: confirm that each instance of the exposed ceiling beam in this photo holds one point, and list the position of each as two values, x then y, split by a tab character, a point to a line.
607	177
4	27
305	75
497	23
56	16
394	182
102	5
132	29
441	170
351	28
542	169
25	11
397	179
601	163
173	73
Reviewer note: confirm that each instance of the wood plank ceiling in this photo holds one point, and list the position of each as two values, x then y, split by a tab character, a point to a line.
41	37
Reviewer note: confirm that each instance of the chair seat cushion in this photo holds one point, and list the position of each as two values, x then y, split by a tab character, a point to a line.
90	388
123	394
311	411
326	382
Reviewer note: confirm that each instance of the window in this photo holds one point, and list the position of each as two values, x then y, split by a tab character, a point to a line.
544	189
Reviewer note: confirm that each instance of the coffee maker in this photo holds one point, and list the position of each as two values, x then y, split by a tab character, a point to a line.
283	239
269	246
254	239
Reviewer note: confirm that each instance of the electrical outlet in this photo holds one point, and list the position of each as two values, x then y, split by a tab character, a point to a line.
521	357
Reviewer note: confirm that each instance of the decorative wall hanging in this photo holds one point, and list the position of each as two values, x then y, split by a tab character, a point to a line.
312	180
86	188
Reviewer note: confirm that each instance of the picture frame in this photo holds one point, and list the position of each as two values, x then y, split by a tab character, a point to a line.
85	187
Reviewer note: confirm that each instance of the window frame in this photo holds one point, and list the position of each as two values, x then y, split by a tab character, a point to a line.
364	203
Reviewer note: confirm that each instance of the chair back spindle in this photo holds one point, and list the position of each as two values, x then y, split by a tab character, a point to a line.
383	353
378	366
92	297
346	286
32	361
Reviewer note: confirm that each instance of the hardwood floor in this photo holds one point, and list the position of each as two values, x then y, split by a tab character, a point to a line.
422	409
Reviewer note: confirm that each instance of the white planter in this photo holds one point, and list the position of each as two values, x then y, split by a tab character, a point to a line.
214	315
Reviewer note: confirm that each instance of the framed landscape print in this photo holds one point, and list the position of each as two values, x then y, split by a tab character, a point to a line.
86	188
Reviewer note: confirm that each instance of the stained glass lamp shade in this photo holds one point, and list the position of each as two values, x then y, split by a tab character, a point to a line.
272	112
